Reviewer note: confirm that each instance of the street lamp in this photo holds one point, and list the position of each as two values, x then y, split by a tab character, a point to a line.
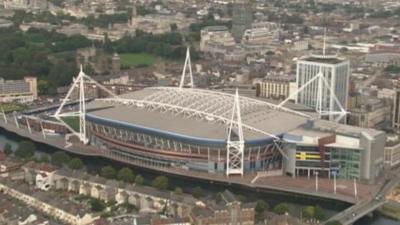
334	173
355	188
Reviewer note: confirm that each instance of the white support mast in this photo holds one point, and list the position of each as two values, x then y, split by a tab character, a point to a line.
82	110
318	105
324	44
79	83
187	64
4	115
42	129
16	120
235	145
319	108
28	125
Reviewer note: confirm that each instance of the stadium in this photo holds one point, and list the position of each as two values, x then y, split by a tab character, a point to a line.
200	130
188	128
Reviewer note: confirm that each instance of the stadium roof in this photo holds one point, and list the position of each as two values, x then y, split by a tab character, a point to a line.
198	113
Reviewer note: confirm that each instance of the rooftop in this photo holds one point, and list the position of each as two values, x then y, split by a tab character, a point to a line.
205	115
41	166
288	78
183	198
215	28
13	211
381	57
320	57
202	114
53	198
322	60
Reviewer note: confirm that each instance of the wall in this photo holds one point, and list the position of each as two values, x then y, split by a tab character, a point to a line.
372	155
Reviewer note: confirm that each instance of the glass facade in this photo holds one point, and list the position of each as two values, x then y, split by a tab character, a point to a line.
347	161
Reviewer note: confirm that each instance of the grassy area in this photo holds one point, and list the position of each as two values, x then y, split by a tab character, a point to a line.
391	210
135	59
66	54
11	107
72	121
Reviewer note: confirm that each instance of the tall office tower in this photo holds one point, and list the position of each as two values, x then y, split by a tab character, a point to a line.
242	18
115	64
336	74
396	110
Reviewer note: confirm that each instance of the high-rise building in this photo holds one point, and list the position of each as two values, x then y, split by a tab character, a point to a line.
396	110
242	18
336	73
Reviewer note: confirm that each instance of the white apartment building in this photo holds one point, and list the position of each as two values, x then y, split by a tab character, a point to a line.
336	72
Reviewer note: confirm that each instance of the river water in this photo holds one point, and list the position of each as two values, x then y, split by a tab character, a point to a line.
296	202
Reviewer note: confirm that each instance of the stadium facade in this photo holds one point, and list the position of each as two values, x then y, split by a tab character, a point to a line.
135	130
187	128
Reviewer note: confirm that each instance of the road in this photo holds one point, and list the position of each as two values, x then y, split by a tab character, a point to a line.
357	211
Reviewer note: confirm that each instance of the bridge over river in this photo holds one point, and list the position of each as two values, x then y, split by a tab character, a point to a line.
357	211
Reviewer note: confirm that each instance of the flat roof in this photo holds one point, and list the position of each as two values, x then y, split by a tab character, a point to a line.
322	60
162	115
261	117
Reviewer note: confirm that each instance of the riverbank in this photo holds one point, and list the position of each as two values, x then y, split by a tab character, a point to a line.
273	197
391	209
297	187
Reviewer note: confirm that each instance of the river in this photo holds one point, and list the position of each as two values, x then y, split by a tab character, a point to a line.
296	202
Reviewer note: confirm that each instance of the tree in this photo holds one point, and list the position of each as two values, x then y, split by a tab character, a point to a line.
178	191
97	205
261	206
75	163
174	27
125	174
44	158
281	208
60	158
308	212
108	172
139	180
43	87
60	74
161	183
89	69
313	212
241	198
335	222
319	213
7	149
270	53
198	192
25	150
393	69
218	197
